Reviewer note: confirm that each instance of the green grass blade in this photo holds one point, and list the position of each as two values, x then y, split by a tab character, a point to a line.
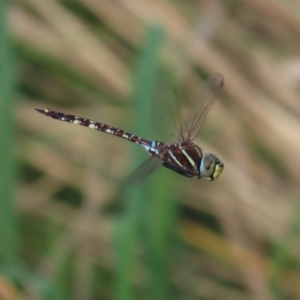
161	225
8	230
129	226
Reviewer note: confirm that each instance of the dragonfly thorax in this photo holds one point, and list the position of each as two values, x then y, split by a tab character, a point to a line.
210	167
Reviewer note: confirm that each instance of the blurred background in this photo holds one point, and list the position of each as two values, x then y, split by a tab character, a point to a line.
70	225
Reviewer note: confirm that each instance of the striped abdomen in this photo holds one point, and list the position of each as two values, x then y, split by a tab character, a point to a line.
95	125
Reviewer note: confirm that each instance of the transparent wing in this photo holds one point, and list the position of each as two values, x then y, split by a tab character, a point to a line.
144	170
164	111
212	87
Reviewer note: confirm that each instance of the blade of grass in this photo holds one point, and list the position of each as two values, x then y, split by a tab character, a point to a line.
127	229
8	230
161	225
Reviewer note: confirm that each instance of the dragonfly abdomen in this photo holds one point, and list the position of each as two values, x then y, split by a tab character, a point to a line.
96	126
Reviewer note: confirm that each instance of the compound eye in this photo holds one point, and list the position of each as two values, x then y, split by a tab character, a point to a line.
207	162
210	167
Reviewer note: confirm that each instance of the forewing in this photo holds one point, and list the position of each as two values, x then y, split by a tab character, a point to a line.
165	112
211	89
144	170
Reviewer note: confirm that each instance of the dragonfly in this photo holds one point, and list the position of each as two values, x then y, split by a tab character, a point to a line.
184	156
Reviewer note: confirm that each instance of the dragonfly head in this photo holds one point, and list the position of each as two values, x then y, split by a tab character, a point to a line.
210	167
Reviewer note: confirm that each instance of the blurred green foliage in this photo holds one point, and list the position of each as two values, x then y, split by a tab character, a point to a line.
70	225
